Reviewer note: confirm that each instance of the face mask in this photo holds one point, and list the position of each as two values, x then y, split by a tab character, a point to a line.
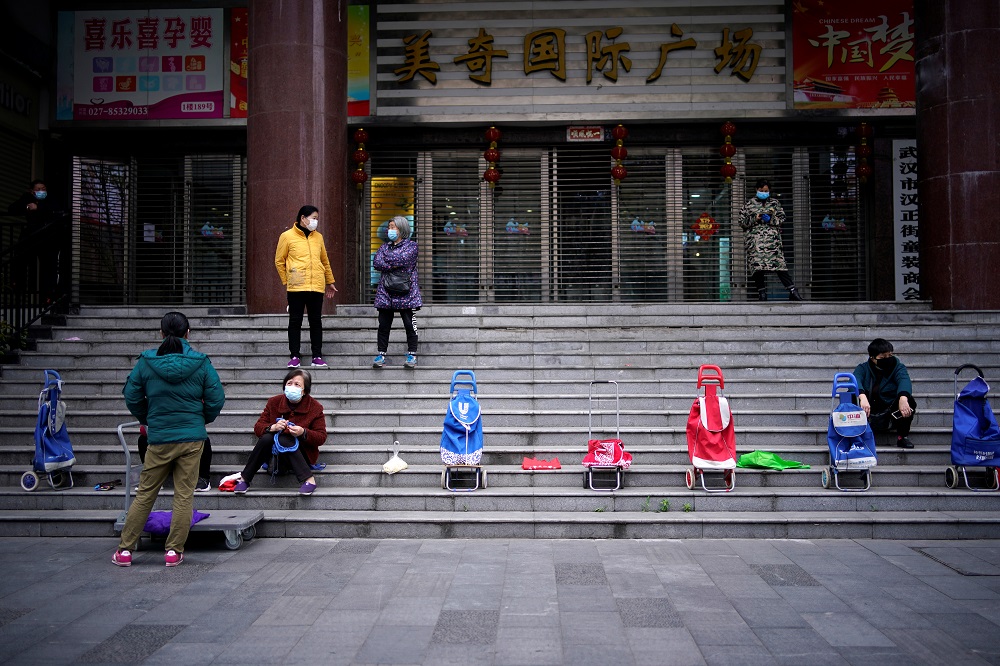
312	224
392	234
886	364
763	195
41	194
293	393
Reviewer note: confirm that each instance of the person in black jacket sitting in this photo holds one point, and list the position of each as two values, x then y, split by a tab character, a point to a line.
886	392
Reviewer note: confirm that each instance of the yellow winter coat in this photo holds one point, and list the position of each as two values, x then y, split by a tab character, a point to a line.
302	262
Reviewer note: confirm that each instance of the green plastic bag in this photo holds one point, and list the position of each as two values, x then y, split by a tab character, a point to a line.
768	460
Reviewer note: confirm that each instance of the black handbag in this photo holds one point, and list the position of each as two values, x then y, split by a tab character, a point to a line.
396	284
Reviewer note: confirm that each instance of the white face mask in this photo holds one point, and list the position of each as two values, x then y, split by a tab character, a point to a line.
311	224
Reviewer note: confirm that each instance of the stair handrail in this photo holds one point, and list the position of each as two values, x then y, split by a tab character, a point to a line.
128	466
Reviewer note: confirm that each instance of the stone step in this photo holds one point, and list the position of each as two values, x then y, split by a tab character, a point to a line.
234	454
313	523
646	476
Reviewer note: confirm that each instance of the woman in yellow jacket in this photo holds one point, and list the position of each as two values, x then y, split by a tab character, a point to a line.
305	271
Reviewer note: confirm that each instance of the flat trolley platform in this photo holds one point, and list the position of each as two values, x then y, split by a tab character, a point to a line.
236	525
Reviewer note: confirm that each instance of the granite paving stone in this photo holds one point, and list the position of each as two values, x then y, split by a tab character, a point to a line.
504	601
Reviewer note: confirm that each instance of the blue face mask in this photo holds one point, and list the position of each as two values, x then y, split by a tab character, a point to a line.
763	195
41	194
392	234
293	393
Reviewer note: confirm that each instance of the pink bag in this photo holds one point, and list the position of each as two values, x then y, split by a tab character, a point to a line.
606	453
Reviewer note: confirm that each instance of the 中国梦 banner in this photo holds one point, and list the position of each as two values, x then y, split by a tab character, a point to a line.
847	54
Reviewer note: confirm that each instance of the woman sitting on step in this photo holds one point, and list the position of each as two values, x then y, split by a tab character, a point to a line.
289	433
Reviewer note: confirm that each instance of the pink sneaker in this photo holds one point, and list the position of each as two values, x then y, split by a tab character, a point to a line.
173	558
122	558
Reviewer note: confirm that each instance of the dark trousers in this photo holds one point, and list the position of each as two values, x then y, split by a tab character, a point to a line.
881	417
385	324
204	467
262	454
760	279
298	302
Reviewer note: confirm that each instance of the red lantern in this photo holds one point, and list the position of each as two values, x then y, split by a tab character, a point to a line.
727	150
728	129
493	134
864	151
360	136
360	156
619	152
491	155
491	176
359	177
619	132
728	171
618	172
864	170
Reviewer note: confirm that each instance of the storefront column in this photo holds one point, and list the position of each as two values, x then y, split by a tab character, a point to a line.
958	121
296	134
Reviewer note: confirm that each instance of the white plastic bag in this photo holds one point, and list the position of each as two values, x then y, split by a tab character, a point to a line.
395	463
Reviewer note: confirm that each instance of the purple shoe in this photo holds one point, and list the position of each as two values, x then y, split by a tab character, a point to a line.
294	362
241	488
307	488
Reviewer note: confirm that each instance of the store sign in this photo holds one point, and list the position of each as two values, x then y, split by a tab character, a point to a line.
906	220
239	54
141	64
853	54
585	133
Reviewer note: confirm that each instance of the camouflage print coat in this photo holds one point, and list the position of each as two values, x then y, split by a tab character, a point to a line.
763	239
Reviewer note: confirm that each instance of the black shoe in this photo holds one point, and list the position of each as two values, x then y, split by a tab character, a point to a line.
904	443
762	294
793	294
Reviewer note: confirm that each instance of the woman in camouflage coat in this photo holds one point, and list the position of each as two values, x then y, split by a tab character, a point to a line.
761	219
398	255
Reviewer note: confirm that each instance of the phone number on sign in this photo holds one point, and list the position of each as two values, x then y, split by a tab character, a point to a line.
115	111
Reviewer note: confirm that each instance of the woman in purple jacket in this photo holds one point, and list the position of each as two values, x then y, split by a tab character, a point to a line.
399	257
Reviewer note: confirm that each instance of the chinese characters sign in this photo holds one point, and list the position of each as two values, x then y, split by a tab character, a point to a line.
906	223
239	51
848	55
358	68
146	65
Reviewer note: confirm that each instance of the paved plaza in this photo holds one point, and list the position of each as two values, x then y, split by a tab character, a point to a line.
330	601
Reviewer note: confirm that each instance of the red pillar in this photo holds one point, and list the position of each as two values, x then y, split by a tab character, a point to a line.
296	134
958	121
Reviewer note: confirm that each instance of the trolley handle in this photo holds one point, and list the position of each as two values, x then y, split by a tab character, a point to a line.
458	378
590	410
711	374
128	462
958	371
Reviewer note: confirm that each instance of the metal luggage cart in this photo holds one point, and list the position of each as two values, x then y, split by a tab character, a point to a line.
464	474
605	478
983	477
236	525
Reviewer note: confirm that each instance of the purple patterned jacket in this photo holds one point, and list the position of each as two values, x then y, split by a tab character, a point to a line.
400	257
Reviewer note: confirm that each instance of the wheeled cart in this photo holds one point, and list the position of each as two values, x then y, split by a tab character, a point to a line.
606	460
463	478
711	436
53	460
975	437
462	436
850	438
236	525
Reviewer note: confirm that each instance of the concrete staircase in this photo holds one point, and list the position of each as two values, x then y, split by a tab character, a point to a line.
534	365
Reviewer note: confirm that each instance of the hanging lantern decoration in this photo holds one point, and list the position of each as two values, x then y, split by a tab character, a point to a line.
359	176
863	151
727	150
619	153
492	156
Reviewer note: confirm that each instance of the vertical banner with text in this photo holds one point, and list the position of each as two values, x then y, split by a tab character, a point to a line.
906	221
148	64
238	54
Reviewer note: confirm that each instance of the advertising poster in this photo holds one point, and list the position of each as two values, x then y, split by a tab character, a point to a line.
238	53
358	72
853	54
906	221
147	64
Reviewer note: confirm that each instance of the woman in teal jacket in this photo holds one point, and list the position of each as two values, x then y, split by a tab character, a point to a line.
174	391
886	392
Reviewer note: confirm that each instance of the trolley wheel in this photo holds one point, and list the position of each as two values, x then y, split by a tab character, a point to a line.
444	479
249	533
233	539
951	477
824	477
689	478
29	481
482	479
